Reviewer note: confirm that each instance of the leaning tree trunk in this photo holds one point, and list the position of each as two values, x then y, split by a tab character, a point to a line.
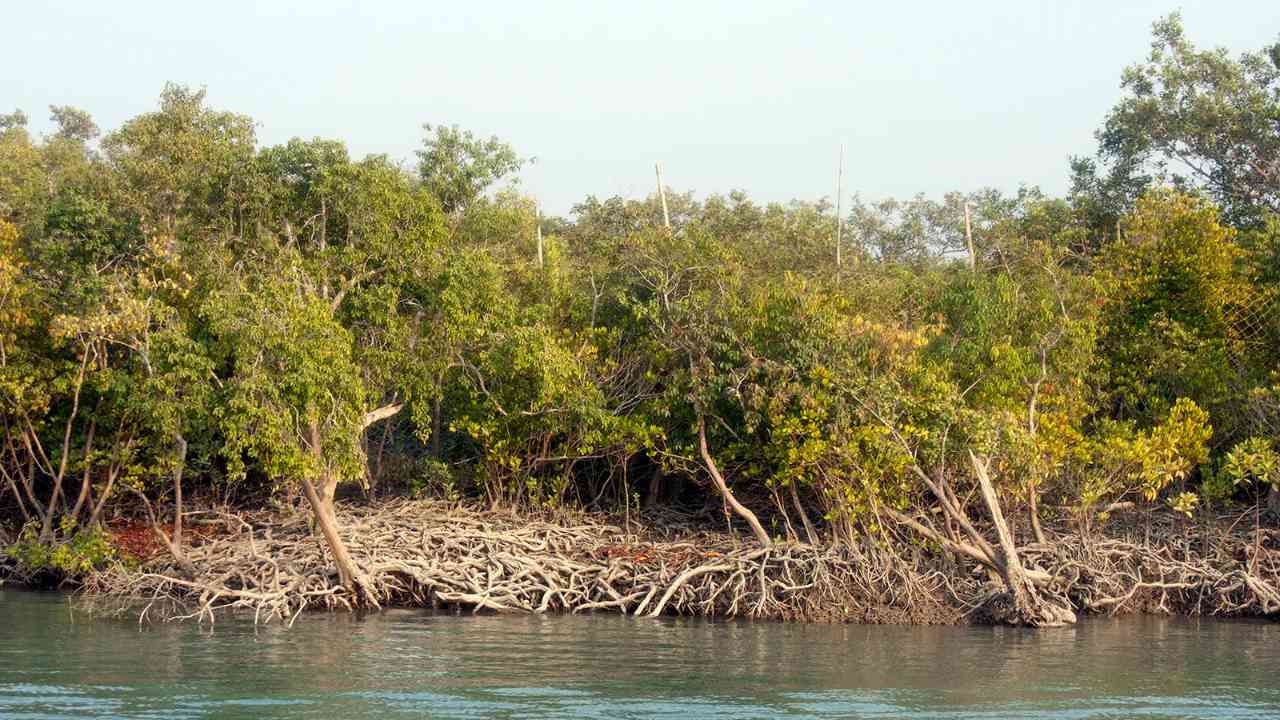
742	510
1028	606
321	501
1027	603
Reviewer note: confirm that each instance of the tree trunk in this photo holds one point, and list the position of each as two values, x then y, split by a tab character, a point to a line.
375	474
1029	607
1004	565
180	448
1033	509
435	428
95	517
86	479
1007	561
655	486
28	479
322	507
175	550
46	531
321	501
809	530
742	510
13	488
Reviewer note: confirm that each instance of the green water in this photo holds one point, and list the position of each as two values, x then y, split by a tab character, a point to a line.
55	663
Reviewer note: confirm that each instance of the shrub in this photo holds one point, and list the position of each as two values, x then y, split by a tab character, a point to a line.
81	551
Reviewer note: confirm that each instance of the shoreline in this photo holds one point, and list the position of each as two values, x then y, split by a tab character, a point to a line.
432	554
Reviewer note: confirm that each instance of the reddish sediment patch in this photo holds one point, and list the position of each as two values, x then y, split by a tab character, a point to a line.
136	539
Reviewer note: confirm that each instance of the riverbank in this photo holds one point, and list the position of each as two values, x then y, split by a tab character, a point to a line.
435	554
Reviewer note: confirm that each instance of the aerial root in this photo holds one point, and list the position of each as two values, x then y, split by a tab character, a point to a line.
1169	570
431	554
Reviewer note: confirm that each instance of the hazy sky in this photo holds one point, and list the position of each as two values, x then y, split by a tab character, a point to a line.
927	97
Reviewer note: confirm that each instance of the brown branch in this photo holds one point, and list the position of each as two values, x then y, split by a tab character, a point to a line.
381	413
742	510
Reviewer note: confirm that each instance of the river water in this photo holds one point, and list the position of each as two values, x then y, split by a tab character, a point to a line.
57	663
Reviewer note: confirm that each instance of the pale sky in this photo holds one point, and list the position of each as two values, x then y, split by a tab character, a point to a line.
927	97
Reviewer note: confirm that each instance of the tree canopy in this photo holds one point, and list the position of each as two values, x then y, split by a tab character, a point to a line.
186	312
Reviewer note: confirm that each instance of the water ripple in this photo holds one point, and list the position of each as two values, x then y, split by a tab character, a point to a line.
55	664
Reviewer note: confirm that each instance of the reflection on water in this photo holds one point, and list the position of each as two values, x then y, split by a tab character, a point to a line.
58	664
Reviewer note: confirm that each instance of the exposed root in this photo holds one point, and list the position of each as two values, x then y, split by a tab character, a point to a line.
1169	570
434	554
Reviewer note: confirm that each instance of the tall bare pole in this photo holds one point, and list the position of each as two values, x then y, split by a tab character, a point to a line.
662	194
968	236
538	214
839	198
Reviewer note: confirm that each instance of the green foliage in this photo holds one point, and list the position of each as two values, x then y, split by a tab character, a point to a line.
293	398
1184	503
1172	283
73	123
1195	119
432	478
1253	462
185	168
15	119
1146	462
456	166
82	550
292	313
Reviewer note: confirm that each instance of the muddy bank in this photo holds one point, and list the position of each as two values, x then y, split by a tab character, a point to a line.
432	554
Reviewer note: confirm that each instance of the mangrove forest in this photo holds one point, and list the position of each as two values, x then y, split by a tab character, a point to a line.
279	378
